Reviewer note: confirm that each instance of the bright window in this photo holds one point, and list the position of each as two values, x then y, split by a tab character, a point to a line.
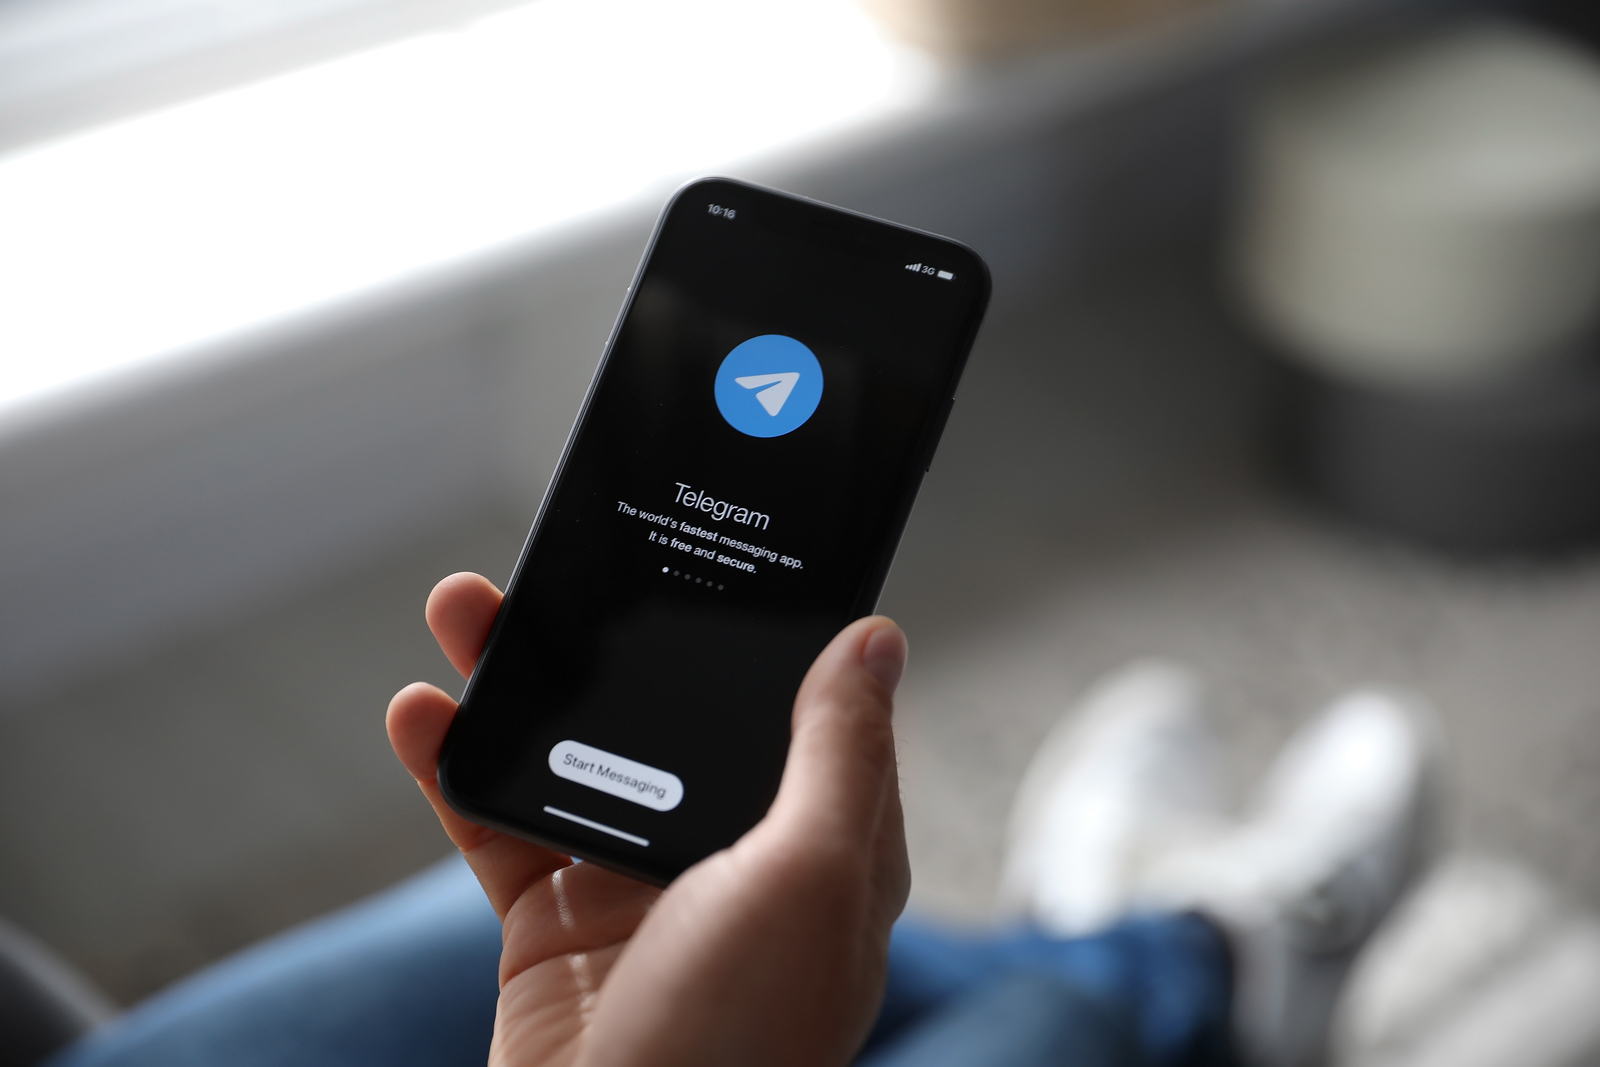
177	228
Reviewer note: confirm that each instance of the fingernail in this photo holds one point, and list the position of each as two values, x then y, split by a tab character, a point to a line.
884	655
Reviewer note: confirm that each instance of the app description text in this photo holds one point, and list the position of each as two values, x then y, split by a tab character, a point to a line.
684	536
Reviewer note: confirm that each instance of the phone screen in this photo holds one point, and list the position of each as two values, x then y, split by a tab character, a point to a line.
730	498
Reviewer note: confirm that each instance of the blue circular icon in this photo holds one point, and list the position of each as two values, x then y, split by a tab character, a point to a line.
769	386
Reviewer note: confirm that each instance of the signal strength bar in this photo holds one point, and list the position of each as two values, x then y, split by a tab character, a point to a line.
923	268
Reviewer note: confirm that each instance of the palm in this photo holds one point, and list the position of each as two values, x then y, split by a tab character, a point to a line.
773	949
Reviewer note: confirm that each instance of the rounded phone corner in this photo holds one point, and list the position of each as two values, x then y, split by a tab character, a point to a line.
683	190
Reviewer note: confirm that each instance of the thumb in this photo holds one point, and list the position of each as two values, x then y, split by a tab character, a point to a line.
841	762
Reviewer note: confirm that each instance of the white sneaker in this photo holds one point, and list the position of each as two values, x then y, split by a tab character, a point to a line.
1125	775
1342	825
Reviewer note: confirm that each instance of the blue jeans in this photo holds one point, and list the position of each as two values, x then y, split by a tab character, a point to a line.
408	978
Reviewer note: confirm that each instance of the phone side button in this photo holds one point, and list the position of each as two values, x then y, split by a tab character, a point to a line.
938	432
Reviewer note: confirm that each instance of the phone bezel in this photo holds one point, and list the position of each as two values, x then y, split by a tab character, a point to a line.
872	587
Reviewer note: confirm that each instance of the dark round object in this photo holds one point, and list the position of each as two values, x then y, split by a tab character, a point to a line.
1509	466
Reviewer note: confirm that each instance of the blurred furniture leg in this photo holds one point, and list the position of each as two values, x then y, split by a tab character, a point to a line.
45	1003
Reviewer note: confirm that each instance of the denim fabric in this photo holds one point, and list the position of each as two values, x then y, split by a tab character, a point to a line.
1157	987
408	979
404	979
1025	1019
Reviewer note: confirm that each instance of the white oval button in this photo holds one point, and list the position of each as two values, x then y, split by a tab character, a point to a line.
599	769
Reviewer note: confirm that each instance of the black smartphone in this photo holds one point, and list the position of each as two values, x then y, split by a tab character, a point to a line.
730	497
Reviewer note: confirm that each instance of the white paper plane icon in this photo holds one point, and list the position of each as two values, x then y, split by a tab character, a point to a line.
774	398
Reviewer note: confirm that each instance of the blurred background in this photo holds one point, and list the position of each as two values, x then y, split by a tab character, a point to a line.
1292	373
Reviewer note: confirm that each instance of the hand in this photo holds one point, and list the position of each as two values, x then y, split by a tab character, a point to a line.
772	951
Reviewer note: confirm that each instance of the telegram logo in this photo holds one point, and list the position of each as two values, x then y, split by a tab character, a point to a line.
769	386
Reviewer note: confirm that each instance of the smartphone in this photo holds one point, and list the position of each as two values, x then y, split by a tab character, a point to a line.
730	497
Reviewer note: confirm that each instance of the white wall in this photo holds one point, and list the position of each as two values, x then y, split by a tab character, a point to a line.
140	509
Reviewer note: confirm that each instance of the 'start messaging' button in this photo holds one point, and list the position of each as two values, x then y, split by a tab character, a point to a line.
598	769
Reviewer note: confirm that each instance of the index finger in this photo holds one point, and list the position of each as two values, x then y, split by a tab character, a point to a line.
419	717
460	612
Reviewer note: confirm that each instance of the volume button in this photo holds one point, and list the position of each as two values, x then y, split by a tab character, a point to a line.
938	432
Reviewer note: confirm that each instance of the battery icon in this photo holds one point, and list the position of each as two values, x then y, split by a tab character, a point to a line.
946	275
